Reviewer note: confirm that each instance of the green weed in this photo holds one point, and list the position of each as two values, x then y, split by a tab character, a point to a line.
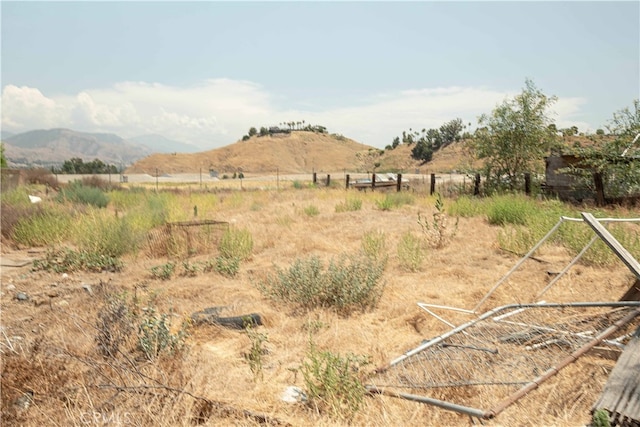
352	283
236	243
351	204
334	382
411	252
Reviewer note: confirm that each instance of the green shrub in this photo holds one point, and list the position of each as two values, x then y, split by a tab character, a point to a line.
517	239
190	269
108	235
312	210
374	246
334	382
256	353
439	231
228	267
124	327
36	225
600	418
164	271
351	204
467	207
394	200
155	336
353	283
76	192
411	252
68	260
236	243
16	197
510	209
384	204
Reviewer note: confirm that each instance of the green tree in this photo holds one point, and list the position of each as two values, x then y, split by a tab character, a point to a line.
252	131
515	137
451	132
422	151
3	159
616	159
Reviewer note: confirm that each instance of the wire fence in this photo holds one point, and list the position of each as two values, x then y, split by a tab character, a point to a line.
186	238
488	360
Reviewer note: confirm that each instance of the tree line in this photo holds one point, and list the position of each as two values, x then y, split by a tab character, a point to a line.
428	141
290	127
78	166
518	133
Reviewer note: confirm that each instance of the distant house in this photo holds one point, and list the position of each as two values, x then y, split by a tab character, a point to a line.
568	187
561	184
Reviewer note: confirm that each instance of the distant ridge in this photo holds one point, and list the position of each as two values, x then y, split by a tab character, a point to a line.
54	146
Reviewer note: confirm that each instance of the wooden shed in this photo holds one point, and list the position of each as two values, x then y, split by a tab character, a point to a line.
563	185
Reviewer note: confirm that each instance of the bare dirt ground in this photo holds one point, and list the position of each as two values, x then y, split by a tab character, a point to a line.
55	325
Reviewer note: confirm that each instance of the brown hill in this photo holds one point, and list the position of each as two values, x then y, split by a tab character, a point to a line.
298	152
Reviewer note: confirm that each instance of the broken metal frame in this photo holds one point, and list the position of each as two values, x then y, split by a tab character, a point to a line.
594	223
529	386
603	337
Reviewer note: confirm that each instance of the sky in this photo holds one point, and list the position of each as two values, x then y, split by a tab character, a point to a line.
204	72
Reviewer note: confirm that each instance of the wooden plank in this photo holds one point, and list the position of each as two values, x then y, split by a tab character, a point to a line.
621	394
611	241
633	293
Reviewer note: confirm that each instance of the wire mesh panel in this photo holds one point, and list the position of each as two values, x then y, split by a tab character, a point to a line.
492	357
187	238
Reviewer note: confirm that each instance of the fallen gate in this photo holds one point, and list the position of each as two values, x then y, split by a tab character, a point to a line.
481	367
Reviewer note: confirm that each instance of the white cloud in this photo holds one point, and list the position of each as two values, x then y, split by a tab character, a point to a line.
218	112
24	106
566	112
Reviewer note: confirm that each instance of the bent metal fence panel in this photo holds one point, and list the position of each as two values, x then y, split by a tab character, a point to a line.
485	365
187	238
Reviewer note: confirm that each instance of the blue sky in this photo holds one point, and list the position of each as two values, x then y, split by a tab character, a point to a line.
204	72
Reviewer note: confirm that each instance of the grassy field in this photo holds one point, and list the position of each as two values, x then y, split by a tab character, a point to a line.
105	331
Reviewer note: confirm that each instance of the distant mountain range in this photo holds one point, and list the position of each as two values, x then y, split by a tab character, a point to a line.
52	147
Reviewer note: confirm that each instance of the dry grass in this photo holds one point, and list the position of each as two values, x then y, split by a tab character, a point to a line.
300	152
52	336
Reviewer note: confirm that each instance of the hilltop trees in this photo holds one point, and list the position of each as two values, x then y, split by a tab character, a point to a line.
515	136
428	141
292	126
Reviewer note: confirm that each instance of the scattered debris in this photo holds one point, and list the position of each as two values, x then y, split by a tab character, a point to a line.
509	351
22	296
211	315
293	394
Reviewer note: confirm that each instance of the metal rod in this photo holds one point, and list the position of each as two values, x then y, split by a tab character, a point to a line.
518	264
478	413
566	361
571	264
